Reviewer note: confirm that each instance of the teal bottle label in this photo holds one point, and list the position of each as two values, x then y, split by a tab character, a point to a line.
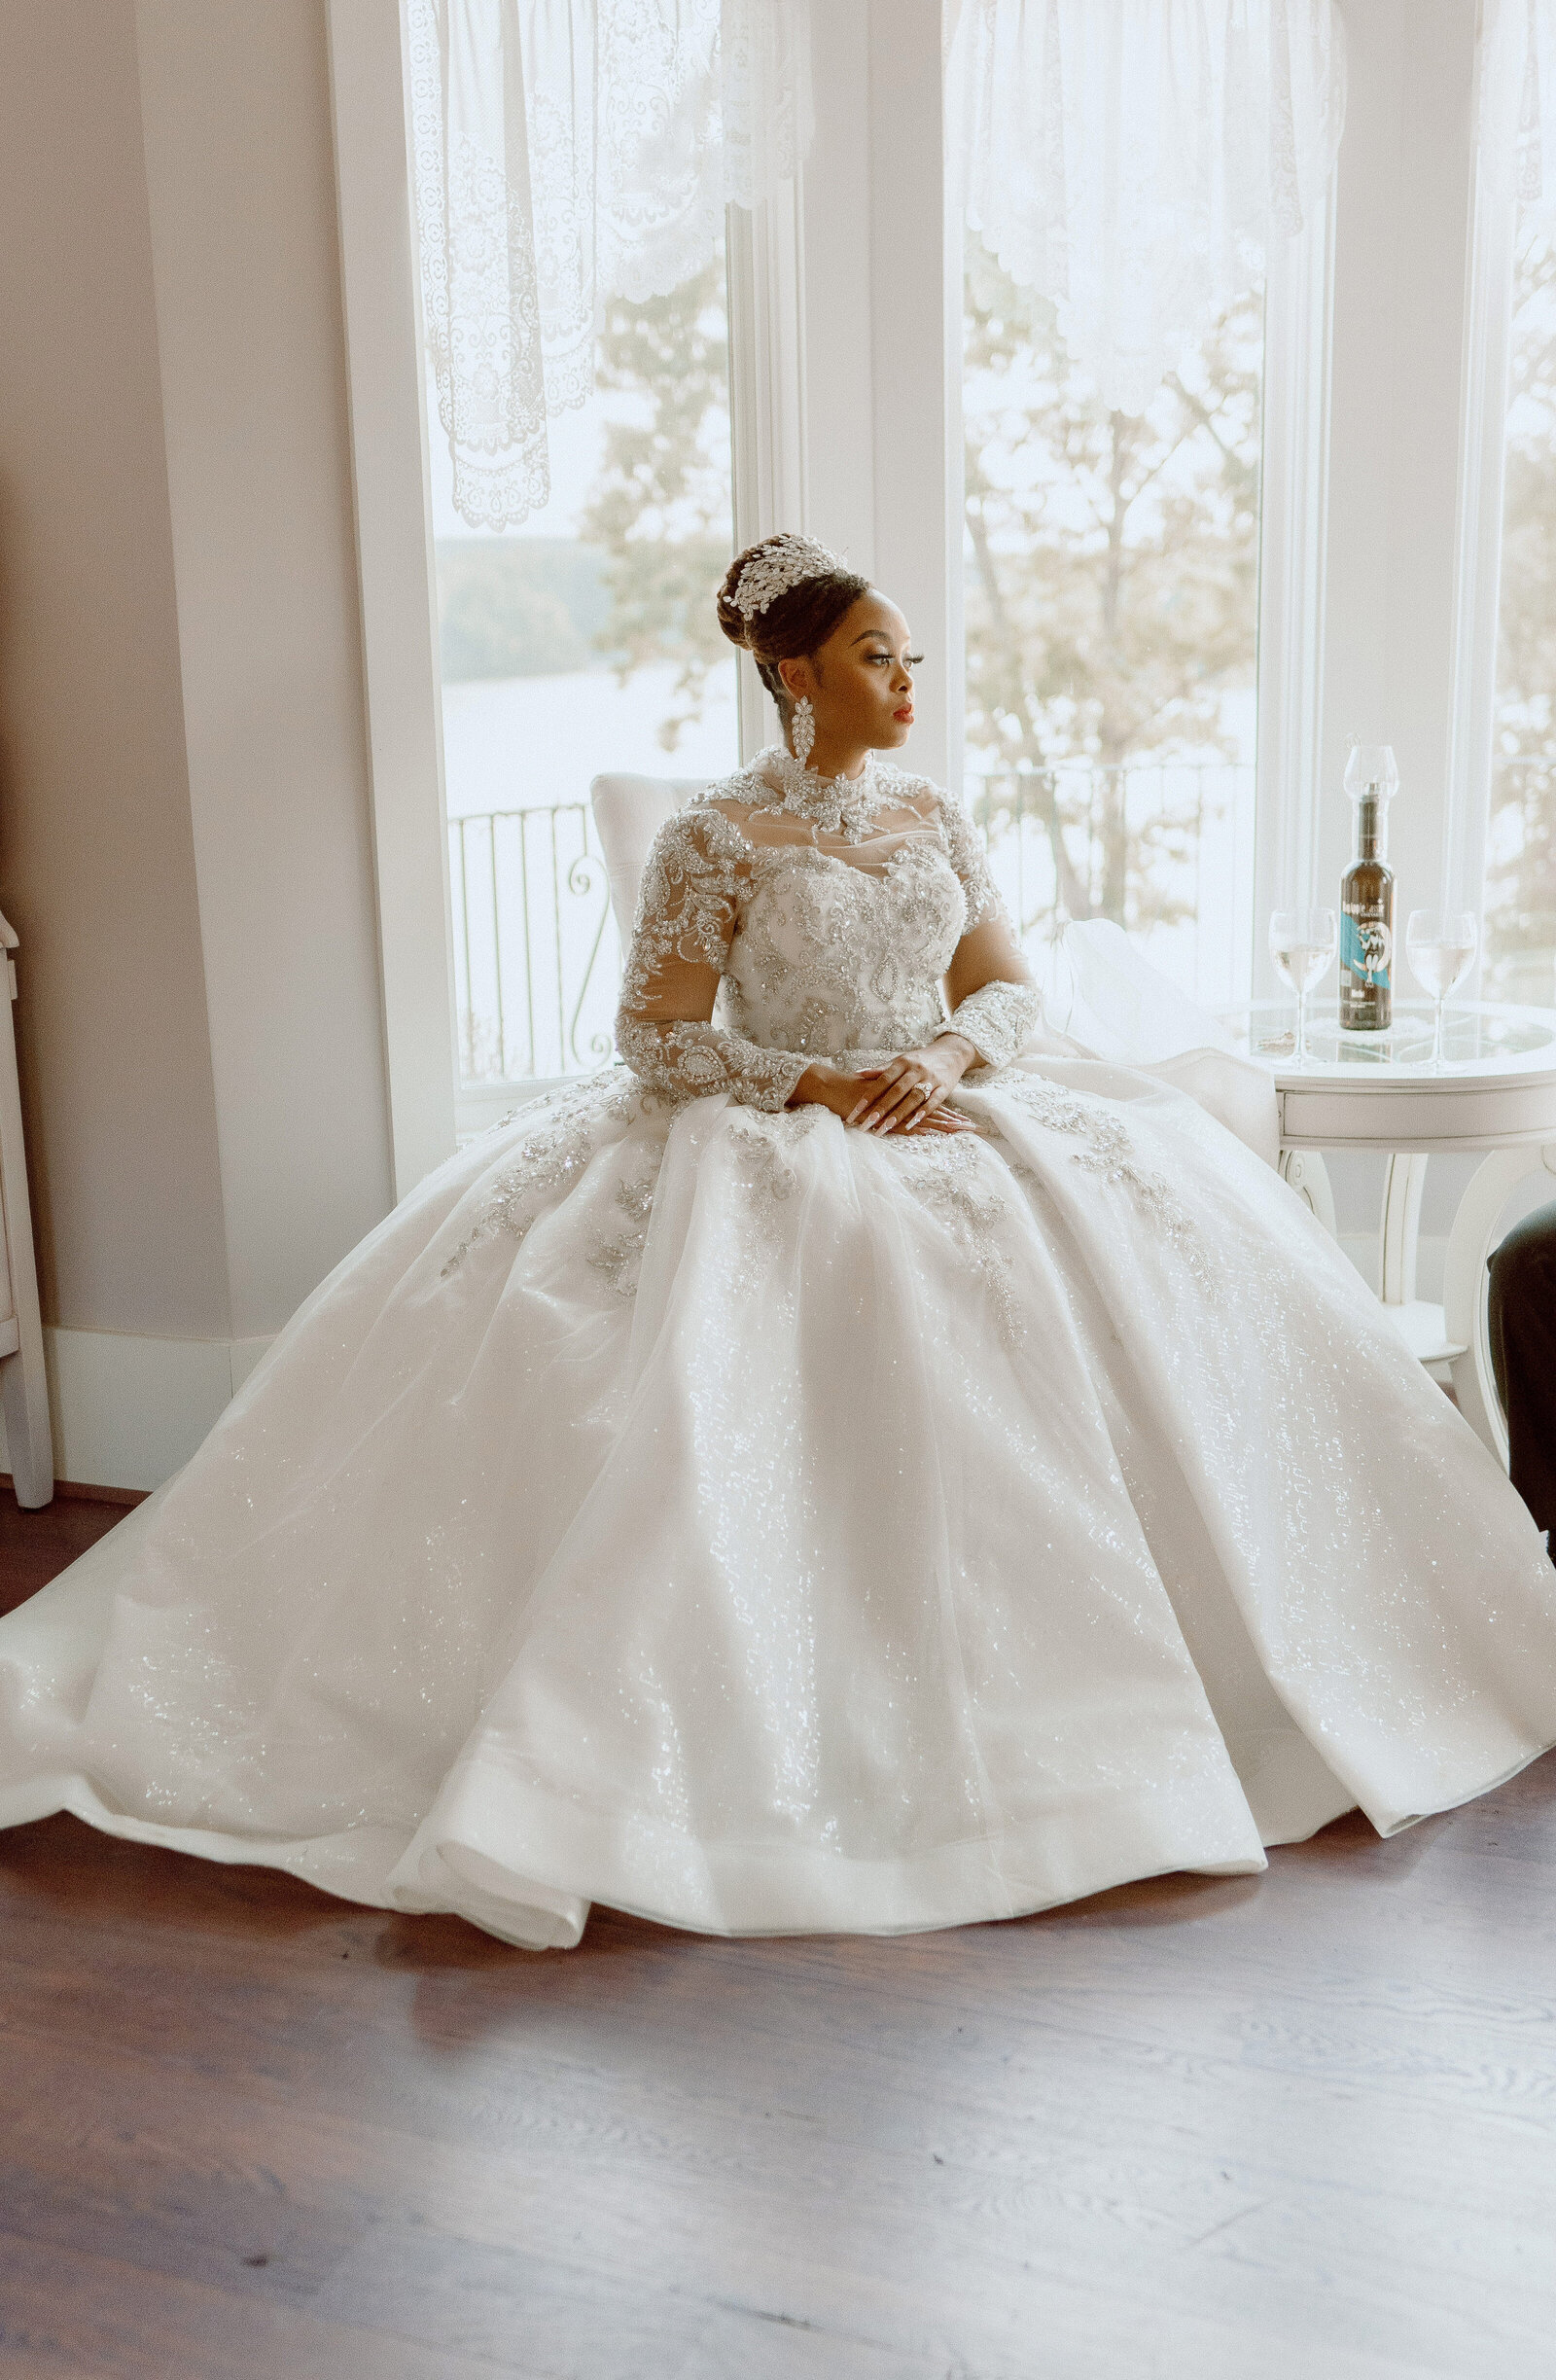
1367	947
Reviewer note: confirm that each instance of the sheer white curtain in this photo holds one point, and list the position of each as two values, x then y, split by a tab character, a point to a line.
566	153
1518	101
1133	159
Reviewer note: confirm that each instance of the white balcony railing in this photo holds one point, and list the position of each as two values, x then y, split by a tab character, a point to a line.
1165	847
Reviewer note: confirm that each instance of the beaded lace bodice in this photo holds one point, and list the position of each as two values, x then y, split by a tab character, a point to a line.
805	919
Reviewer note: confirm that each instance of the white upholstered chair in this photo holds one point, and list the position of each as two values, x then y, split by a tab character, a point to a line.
23	1382
628	813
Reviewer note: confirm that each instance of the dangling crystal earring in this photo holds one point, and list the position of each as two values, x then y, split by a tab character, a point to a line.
802	728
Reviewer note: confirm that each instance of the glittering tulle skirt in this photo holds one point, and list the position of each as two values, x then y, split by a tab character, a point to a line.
768	1527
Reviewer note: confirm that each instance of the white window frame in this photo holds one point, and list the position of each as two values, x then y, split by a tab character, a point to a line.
381	304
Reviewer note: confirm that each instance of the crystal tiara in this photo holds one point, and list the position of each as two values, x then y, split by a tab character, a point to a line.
785	561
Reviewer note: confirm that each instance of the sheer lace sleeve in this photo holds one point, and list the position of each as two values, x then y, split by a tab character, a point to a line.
1000	1018
686	913
999	1021
964	848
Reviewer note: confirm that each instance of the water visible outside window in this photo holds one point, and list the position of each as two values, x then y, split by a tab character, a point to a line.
584	642
1112	605
1520	894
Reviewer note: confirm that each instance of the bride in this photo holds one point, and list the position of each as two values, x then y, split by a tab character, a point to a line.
861	1466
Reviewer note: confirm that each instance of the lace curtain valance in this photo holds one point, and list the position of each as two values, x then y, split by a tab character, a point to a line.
1135	160
1517	127
566	153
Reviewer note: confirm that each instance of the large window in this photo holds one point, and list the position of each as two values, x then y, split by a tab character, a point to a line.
580	643
1520	901
1112	601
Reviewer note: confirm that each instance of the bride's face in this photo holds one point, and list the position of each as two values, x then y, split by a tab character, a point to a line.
860	681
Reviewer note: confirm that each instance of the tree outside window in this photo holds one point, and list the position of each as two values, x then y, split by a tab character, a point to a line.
1111	604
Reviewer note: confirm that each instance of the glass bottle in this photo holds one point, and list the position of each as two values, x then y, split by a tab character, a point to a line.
1366	896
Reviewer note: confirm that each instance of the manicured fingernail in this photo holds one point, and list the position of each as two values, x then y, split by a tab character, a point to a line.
854	1113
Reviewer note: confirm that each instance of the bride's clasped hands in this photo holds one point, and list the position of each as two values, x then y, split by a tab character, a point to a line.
909	1095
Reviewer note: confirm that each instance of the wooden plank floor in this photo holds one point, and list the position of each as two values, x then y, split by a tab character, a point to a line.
1302	2127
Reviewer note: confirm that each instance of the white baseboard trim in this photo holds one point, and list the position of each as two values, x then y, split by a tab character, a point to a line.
128	1412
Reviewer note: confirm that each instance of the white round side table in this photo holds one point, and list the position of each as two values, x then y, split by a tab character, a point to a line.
1497	1092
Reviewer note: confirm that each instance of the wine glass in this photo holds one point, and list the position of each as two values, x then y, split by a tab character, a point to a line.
1440	945
1371	769
1302	947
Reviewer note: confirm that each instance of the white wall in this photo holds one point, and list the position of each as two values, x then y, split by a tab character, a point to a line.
185	840
97	851
241	183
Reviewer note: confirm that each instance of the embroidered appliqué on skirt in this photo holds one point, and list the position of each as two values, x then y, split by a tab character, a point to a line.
1109	1152
951	1176
620	1258
550	1158
765	1143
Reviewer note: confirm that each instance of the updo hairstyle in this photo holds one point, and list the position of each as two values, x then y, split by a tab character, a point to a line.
795	624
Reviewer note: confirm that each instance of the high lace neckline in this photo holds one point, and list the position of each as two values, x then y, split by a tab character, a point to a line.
848	806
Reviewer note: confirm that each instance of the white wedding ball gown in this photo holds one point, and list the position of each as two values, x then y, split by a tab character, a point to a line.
700	1507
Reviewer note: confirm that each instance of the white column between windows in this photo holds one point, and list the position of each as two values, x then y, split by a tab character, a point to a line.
916	341
1293	522
846	349
1477	573
1396	432
380	293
